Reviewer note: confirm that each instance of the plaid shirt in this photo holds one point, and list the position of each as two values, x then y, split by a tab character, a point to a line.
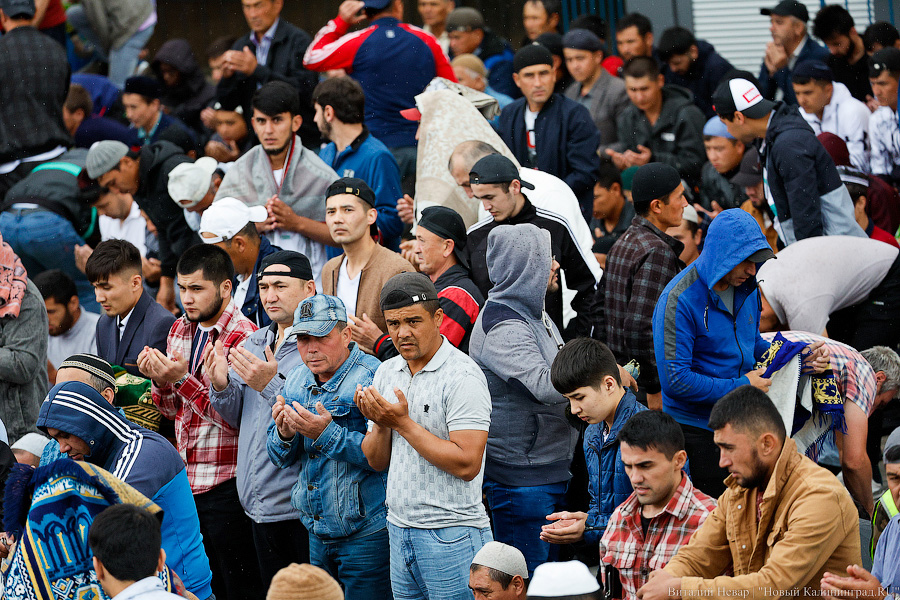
34	81
638	268
854	375
206	442
624	547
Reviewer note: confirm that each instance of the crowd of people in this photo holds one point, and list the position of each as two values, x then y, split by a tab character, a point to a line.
414	312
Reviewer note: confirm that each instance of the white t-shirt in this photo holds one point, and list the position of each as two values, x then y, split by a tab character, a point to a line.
81	339
348	288
530	118
132	229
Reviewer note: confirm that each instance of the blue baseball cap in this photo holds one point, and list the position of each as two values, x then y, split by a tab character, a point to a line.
317	316
715	127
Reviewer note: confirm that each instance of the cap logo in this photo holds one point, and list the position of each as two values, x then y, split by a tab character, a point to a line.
751	95
745	94
306	311
418	298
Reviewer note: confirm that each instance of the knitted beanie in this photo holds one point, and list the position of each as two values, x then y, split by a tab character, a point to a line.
304	582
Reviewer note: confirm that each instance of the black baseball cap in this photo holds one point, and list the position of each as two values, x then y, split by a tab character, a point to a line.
750	172
496	168
886	59
23	9
297	265
406	289
788	8
740	93
353	186
447	224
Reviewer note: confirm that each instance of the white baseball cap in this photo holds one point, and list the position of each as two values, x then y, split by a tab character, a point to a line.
189	182
226	216
740	95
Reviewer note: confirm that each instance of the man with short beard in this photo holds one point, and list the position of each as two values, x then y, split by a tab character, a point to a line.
282	175
208	444
781	525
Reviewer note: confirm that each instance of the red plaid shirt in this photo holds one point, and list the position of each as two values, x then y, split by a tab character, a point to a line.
206	442
624	547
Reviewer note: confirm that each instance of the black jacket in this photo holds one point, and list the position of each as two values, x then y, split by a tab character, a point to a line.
675	139
156	162
567	142
192	93
703	76
567	252
284	63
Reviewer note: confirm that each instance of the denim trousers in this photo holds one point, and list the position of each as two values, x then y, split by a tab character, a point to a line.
433	564
360	562
517	514
44	240
122	60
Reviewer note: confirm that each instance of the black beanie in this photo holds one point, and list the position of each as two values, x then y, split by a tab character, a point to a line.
532	54
652	181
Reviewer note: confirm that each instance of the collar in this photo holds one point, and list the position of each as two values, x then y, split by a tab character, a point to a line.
678	505
147	585
268	35
148	135
674	244
123	321
800	46
221	325
787	462
439	358
335	382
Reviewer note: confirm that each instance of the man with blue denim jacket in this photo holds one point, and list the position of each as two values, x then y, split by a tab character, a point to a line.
339	496
244	394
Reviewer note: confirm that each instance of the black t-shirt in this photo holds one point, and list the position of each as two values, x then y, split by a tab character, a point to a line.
855	77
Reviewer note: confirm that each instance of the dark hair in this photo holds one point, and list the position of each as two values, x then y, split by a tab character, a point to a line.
212	261
606	175
881	33
277	97
431	306
592	23
856	190
249	231
551	7
55	284
692	227
653	429
675	41
832	20
344	95
749	410
642	208
79	98
893	453
643	24
641	66
504	579
219	46
581	362
126	540
111	258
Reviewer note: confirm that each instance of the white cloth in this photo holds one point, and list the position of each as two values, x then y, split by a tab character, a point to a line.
847	118
814	277
131	229
884	133
240	292
80	339
348	288
149	588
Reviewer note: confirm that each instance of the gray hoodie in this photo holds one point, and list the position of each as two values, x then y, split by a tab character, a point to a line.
514	342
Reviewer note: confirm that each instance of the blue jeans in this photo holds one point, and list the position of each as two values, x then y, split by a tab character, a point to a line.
359	562
433	564
518	514
44	240
123	60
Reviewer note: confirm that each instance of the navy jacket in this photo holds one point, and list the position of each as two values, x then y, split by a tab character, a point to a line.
769	84
252	308
148	325
567	142
703	76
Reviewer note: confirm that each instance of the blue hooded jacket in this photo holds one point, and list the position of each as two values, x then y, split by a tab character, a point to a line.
702	350
141	458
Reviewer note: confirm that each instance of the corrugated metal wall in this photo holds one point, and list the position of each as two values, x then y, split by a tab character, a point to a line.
740	33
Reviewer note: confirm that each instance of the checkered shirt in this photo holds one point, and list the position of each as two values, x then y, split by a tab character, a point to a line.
854	376
624	547
207	443
638	268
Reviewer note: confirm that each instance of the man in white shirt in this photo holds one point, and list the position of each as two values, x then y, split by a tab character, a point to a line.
72	330
884	74
231	225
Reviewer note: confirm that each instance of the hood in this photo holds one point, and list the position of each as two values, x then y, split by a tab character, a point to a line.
784	117
78	409
840	93
518	258
732	237
154	155
178	54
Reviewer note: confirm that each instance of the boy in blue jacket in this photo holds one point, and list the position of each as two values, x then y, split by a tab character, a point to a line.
585	372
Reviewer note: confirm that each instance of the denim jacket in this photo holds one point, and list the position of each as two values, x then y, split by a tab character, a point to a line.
338	494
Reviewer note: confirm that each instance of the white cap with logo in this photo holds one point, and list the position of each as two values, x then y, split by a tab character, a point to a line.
227	216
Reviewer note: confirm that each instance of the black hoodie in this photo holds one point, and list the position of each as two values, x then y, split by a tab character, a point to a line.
192	93
156	162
